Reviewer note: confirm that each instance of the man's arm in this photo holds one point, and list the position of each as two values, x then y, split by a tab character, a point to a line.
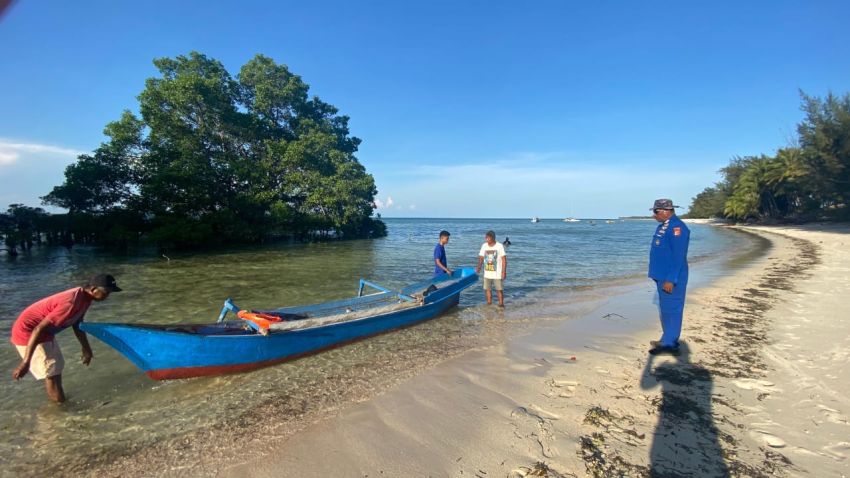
478	267
24	367
84	341
504	267
441	266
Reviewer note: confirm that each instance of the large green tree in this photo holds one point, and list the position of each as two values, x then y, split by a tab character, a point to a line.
824	137
213	158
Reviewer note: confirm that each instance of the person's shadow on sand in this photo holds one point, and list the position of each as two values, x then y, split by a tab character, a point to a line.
685	442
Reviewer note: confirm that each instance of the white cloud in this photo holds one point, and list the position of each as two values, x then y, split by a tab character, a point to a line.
8	157
12	151
413	207
387	204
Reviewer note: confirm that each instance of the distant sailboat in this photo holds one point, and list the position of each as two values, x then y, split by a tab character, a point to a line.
535	219
610	221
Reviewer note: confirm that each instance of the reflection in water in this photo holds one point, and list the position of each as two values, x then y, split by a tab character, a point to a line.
115	409
685	442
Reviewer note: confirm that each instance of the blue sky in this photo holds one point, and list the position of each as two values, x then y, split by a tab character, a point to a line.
466	109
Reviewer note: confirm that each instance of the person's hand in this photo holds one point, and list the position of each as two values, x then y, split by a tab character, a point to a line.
87	356
477	270
668	287
448	271
21	370
504	274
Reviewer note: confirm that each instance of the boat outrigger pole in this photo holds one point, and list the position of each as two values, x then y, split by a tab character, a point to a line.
229	306
364	282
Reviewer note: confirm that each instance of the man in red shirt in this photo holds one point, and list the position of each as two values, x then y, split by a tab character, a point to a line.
33	331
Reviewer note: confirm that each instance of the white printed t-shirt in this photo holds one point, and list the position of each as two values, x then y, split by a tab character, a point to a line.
492	259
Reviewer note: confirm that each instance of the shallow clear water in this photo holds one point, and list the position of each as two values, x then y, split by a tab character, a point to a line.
114	407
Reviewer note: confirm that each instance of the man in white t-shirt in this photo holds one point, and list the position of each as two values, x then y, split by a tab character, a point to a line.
492	255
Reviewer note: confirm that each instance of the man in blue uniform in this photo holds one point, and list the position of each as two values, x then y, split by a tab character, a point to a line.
668	267
440	263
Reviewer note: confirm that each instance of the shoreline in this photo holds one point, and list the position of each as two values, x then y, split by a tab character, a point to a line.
521	398
527	407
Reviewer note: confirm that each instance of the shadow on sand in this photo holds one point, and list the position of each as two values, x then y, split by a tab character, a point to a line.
686	440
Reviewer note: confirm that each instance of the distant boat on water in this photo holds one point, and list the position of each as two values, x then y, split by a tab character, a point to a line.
535	219
610	221
572	219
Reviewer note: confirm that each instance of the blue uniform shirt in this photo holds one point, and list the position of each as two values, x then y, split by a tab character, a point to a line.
440	254
668	254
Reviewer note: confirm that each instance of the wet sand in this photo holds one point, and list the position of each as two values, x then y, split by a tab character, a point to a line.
761	390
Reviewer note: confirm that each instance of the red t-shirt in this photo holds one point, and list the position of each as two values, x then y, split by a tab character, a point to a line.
62	310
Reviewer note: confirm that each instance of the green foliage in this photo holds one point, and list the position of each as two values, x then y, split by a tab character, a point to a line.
20	226
216	159
825	142
709	203
798	183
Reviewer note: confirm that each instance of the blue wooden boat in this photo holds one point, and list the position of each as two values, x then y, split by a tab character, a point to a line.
166	352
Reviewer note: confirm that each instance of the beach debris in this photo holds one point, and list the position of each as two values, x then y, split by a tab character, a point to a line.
600	464
613	316
538	469
524	411
610	421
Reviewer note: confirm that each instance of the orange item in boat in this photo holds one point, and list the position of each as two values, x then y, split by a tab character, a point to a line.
259	318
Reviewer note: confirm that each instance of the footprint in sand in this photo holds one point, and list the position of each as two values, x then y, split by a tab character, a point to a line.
542	413
568	385
839	450
755	384
769	439
832	414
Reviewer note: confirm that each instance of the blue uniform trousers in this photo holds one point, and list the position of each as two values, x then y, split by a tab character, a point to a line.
671	308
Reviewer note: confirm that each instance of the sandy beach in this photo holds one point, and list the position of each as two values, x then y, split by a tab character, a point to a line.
761	389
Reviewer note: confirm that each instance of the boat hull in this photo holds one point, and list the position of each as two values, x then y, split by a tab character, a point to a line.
203	350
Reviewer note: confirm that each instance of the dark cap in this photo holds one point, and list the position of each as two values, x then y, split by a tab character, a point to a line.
104	280
444	233
662	204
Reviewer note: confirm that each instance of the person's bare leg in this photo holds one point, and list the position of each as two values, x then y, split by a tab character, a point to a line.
488	296
501	296
54	388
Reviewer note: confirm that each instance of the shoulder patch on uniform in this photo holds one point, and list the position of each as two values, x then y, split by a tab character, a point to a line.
677	231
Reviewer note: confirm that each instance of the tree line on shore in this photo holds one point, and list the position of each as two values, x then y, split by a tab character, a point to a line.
211	160
809	180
